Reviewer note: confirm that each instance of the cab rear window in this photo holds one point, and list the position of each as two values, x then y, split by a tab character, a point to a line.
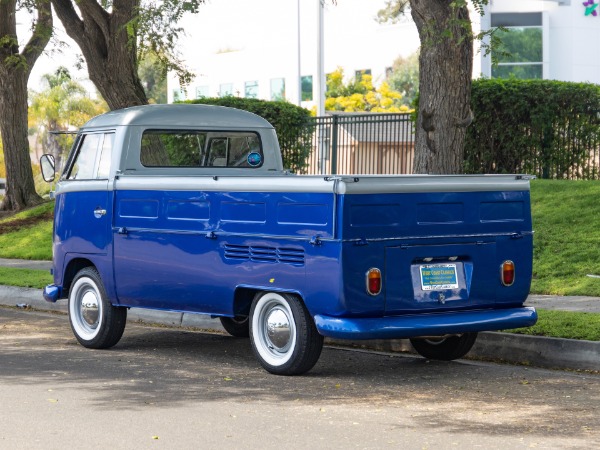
177	148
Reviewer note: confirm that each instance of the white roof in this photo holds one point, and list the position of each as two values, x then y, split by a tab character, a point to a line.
179	116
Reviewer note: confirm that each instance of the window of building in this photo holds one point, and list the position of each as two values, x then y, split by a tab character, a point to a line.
251	89
521	54
359	74
225	90
278	89
202	91
307	88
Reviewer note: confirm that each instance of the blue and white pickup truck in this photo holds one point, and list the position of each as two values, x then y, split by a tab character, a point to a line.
187	208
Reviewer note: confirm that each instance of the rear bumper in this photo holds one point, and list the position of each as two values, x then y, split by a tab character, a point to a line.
52	293
433	324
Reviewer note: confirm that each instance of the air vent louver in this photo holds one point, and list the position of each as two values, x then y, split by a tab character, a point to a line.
284	255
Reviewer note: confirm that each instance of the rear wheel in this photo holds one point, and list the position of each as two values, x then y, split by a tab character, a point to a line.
283	334
236	326
94	321
445	349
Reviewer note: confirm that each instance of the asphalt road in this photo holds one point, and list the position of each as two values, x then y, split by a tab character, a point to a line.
169	388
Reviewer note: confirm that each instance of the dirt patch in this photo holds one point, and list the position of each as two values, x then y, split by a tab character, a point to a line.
16	224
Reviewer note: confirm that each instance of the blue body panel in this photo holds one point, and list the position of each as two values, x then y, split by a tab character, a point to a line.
191	250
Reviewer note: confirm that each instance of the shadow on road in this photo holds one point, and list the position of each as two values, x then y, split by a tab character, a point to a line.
164	368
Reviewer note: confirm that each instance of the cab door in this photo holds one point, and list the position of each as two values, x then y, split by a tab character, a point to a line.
83	225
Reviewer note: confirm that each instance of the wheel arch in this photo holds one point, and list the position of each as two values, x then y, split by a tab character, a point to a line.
73	267
244	295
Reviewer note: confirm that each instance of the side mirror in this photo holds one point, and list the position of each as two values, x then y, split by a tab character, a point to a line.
47	166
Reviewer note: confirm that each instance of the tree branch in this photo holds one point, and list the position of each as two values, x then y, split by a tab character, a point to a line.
41	34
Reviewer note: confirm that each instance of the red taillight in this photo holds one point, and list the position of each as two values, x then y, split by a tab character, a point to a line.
507	273
374	281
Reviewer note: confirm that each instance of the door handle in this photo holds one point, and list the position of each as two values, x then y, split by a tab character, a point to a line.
99	212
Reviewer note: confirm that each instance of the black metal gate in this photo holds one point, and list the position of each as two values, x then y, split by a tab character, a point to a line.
350	143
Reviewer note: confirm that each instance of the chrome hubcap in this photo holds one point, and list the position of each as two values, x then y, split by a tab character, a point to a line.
279	331
90	311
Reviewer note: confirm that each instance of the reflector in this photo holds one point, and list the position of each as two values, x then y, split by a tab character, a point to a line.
373	281
507	273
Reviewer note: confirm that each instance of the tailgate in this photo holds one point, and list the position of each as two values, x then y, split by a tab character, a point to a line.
439	241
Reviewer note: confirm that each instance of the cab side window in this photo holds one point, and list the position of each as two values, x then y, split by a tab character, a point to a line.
93	157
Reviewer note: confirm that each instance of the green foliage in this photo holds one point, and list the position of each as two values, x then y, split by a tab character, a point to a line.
153	78
405	78
157	31
359	94
295	138
546	128
393	11
565	246
64	105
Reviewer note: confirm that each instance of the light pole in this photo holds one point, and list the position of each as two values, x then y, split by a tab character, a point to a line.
320	84
299	75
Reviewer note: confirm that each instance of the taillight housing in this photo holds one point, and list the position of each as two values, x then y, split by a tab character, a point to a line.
373	281
507	273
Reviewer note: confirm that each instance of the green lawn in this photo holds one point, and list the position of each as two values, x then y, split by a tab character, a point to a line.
28	234
10	276
566	220
565	324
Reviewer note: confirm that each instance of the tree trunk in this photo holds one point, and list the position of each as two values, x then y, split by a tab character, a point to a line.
109	50
15	68
446	65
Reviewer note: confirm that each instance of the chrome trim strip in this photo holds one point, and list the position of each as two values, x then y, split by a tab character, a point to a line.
441	236
218	234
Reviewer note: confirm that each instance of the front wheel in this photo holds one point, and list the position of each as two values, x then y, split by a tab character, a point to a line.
445	349
283	334
94	321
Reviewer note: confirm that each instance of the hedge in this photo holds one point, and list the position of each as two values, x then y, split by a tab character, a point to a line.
541	127
290	122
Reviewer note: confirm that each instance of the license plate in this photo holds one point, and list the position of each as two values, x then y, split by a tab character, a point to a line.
436	277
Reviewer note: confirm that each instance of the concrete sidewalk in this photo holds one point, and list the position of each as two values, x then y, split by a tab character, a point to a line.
512	348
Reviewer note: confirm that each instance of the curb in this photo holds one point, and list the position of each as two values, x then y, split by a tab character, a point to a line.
554	353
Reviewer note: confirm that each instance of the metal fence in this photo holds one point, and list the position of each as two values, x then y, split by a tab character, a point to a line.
348	143
557	150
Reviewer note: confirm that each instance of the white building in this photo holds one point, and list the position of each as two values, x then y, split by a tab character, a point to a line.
550	39
253	49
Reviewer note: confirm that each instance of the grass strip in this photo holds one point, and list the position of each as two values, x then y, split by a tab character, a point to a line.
28	235
29	278
564	324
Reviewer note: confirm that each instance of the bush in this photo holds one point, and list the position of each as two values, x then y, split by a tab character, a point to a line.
290	122
546	128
